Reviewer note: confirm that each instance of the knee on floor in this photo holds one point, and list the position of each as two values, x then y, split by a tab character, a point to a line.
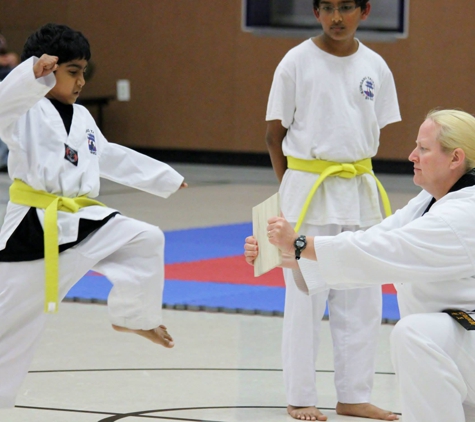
407	329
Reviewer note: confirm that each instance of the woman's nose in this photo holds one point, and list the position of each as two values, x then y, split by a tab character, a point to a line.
413	156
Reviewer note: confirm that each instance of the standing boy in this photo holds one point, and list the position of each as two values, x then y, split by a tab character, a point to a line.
57	156
329	99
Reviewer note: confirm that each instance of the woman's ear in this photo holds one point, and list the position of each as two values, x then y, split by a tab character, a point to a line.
458	158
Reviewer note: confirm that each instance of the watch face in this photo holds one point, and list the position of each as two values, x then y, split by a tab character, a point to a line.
299	243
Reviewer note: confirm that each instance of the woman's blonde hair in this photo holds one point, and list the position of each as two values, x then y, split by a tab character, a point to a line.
456	130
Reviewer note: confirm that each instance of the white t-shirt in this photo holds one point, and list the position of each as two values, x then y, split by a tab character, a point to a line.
333	108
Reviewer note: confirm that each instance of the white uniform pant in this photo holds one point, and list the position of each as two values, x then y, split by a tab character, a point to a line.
128	252
355	318
434	359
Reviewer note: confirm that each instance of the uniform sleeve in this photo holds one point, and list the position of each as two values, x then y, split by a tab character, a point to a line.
130	168
281	104
387	106
310	268
428	249
20	91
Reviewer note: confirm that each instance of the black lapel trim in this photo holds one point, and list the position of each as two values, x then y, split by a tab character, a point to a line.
468	179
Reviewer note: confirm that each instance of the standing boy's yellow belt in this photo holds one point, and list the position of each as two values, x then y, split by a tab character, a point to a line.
329	168
23	194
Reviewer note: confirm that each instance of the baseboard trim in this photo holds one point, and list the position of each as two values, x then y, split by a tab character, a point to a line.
232	158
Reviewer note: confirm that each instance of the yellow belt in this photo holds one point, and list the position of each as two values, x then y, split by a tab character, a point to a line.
329	168
22	194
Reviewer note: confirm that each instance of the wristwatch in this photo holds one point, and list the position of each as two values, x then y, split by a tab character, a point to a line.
300	244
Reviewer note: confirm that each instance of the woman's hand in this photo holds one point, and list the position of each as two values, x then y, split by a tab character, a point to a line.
281	234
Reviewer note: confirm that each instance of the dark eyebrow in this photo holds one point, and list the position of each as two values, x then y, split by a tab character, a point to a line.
327	3
79	67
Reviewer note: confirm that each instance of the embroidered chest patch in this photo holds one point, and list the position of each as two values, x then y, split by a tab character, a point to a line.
367	88
91	142
71	155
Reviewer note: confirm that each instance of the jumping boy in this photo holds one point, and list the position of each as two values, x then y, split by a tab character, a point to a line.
57	156
329	99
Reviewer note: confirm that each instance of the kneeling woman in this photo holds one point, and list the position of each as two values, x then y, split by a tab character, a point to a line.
427	250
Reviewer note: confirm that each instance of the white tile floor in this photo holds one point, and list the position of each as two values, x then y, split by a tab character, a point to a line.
224	368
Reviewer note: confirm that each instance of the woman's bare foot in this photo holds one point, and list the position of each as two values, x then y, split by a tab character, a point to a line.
158	335
365	410
310	413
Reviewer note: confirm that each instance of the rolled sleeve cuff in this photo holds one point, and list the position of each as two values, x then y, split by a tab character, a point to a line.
312	277
311	270
325	273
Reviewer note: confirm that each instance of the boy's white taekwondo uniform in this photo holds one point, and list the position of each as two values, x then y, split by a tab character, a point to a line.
333	108
429	255
129	252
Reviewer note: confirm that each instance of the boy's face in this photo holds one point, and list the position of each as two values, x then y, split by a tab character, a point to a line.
69	81
340	18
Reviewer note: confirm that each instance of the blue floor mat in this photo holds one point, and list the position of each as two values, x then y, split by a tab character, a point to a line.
225	297
202	244
91	288
390	308
219	297
191	294
205	243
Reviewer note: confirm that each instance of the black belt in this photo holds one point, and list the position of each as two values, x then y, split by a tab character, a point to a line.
463	318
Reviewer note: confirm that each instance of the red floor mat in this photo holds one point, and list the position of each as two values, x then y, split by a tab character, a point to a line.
233	270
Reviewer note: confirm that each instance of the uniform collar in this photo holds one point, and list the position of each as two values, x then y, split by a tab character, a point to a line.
467	180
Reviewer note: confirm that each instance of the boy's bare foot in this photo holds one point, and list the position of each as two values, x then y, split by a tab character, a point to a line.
310	413
365	410
158	335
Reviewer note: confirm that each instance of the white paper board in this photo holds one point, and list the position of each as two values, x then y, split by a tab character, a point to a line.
269	255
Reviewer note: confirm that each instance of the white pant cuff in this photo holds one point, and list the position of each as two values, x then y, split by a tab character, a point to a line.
353	399
136	323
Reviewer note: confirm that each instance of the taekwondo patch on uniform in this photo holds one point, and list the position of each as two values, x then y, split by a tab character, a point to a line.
463	318
91	142
367	88
71	155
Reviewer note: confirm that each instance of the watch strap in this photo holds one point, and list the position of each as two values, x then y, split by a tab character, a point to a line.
300	244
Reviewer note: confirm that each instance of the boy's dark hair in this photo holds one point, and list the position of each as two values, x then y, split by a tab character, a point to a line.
57	40
359	3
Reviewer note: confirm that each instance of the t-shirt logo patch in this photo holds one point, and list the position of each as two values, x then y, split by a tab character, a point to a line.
71	155
91	142
367	88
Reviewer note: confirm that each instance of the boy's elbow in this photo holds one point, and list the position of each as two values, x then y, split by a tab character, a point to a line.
275	134
273	141
269	141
